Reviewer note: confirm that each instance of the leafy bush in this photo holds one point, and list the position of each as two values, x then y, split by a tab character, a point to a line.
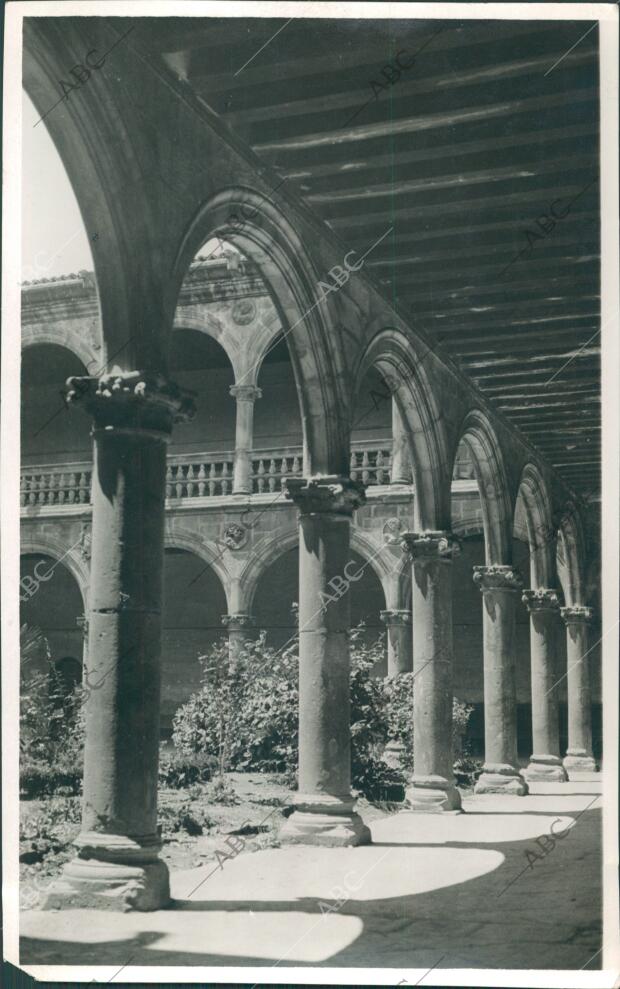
188	817
178	771
51	738
245	714
399	703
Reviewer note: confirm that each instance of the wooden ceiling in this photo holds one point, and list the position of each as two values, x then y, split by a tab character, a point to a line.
493	127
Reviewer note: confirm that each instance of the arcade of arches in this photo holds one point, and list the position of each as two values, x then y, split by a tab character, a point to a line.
251	449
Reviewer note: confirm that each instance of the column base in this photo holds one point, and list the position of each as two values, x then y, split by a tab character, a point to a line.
577	762
545	769
433	795
111	872
326	821
394	755
501	779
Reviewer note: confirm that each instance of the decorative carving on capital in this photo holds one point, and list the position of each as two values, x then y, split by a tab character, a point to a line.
84	544
498	578
245	393
330	494
393	531
576	613
541	599
132	400
395	616
430	545
238	622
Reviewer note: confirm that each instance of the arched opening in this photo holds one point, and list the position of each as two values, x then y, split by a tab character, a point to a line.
262	236
277	592
202	365
194	602
51	432
467	523
51	601
277	418
372	450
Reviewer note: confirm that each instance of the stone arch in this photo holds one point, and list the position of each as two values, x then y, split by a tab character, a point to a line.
108	180
251	223
177	537
263	555
534	499
570	556
479	437
70	340
391	352
378	561
50	545
210	327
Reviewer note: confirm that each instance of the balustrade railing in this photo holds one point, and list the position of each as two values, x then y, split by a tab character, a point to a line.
65	484
204	476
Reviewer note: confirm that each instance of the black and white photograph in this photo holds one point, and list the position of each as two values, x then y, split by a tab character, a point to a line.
310	458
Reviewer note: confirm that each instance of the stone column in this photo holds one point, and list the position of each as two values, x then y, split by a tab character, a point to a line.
324	807
117	866
545	765
500	586
239	628
433	787
399	640
400	472
245	395
579	758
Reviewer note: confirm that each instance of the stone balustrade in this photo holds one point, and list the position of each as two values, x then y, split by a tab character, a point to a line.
201	476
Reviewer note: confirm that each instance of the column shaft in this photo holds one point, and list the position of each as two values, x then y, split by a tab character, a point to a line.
545	764
433	787
324	812
245	395
401	464
500	774
579	758
117	865
399	641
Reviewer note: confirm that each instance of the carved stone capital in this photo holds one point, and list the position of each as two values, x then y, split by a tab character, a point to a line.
576	614
541	599
245	393
498	578
395	616
430	545
329	494
239	622
132	401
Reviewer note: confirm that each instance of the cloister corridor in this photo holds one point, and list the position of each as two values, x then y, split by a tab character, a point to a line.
432	892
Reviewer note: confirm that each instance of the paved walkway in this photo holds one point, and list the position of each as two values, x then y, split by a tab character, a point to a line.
431	892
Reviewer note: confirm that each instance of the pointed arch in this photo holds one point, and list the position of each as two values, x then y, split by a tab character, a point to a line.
391	352
534	499
571	556
483	446
248	220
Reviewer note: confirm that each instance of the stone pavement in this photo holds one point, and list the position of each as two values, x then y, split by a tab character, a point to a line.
451	891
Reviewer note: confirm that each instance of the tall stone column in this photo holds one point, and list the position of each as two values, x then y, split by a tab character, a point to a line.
117	865
500	586
324	807
399	640
239	628
245	396
400	472
545	764
579	758
433	788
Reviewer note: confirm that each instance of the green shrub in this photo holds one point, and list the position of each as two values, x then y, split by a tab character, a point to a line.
188	817
245	713
178	771
51	737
